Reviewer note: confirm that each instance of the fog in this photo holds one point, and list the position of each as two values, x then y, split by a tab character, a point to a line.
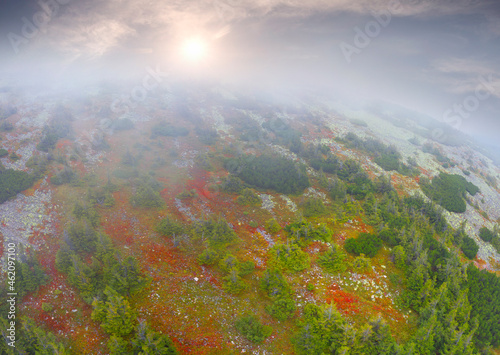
437	58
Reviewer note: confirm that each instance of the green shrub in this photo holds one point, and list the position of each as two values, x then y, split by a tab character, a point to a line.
274	284
14	157
169	227
125	174
217	231
232	185
166	130
89	213
272	226
6	126
248	198
145	196
122	124
361	264
304	232
289	257
187	194
246	267
486	234
47	307
469	247
388	162
65	176
333	260
12	182
365	243
269	172
233	283
449	191
228	263
208	257
313	207
250	327
358	122
3	152
101	196
282	308
206	135
399	256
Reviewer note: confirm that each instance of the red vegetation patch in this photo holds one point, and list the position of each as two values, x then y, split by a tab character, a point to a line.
155	253
480	264
316	247
424	171
346	302
63	143
120	230
199	182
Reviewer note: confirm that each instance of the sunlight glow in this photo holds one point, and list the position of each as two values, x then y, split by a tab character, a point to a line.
194	50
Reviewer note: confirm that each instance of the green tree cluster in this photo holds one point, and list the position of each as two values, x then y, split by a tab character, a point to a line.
469	247
216	232
486	234
269	172
86	212
272	226
484	298
29	274
207	135
59	127
38	163
284	133
101	196
250	327
289	257
30	339
146	196
313	207
12	182
166	130
114	313
108	267
277	288
122	124
304	232
232	185
366	243
65	176
248	198
448	190
333	260
323	330
169	227
387	157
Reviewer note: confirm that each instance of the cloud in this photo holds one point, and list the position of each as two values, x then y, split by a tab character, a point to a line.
464	75
92	27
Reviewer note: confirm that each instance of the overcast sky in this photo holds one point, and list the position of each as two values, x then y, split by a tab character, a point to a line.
440	57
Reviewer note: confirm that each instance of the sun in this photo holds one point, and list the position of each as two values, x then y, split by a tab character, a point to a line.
194	49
